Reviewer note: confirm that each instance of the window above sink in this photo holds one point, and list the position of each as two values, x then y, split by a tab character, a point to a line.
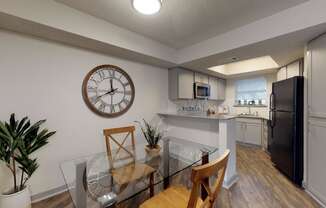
251	92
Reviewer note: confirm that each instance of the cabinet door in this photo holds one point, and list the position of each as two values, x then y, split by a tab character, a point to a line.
293	69
185	84
221	89
202	78
213	82
317	74
240	131
253	133
316	169
282	74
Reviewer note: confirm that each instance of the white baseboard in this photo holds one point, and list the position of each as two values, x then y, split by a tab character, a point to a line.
47	194
315	198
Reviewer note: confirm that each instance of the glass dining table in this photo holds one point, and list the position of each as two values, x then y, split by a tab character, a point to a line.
90	183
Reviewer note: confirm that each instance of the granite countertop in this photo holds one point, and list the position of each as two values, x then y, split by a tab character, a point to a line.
199	115
253	117
213	117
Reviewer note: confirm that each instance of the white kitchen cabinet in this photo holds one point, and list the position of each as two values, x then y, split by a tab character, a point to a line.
291	70
316	141
221	87
202	78
240	132
281	74
214	85
249	131
317	84
253	133
217	87
181	83
316	154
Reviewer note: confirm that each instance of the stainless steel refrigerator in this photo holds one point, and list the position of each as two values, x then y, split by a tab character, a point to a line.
286	123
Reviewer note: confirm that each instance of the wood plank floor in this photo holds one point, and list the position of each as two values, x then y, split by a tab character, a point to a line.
260	186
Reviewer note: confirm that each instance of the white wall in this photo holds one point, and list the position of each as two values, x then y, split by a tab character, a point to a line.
43	79
230	95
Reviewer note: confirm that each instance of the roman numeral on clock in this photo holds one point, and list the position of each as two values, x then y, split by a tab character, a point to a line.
112	109
94	99
102	107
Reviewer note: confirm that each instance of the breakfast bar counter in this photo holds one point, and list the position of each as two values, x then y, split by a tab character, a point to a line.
216	130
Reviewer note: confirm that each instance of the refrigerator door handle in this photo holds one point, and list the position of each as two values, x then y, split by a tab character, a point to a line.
271	102
274	118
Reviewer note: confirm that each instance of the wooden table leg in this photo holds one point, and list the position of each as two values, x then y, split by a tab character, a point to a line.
204	160
151	184
166	164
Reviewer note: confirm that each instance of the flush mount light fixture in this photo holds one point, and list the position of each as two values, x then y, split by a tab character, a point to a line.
147	7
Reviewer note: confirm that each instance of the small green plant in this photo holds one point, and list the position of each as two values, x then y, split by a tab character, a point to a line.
151	133
18	140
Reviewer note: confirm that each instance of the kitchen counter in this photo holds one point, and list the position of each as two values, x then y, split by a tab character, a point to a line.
253	117
213	130
213	116
200	115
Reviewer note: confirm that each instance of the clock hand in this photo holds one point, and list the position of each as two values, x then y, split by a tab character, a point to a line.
113	90
111	84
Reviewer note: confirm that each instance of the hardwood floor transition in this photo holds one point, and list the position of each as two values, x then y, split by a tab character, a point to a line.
260	186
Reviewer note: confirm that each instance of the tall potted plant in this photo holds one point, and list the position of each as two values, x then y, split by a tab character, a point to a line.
152	135
18	141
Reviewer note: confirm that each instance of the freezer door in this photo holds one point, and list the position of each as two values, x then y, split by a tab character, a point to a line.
282	142
283	95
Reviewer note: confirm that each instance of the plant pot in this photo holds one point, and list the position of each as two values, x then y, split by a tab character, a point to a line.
21	199
153	151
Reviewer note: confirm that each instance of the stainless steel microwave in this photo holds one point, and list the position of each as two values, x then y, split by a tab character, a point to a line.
201	90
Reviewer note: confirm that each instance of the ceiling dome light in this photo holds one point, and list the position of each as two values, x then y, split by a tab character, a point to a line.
147	7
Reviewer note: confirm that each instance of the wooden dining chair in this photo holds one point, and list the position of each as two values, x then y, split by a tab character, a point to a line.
181	197
130	170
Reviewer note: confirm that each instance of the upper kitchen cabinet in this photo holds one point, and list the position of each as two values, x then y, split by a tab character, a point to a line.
181	84
217	87
282	74
221	89
316	62
294	69
202	78
291	70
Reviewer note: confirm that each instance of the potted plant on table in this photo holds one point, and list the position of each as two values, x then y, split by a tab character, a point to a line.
18	140
152	135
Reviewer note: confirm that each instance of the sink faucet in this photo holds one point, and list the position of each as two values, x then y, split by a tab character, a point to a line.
249	110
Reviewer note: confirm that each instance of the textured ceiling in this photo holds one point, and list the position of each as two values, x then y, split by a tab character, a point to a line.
181	23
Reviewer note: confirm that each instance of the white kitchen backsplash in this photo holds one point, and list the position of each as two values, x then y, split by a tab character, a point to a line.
196	105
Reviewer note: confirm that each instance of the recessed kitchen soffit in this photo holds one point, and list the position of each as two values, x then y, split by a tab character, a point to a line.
181	23
247	66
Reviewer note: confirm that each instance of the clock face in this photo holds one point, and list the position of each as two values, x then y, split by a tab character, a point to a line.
108	91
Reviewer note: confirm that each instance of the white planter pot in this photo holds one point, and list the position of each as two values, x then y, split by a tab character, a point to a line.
20	199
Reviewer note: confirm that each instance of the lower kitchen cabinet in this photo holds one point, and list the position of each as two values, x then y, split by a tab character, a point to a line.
249	131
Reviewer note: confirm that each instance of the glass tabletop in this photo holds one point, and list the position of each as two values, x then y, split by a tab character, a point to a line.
100	179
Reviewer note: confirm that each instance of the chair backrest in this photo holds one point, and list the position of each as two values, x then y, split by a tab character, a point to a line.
199	177
109	136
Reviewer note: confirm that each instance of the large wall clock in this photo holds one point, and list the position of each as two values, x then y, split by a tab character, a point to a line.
108	91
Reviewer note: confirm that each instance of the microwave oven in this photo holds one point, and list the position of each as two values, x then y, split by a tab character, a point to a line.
201	90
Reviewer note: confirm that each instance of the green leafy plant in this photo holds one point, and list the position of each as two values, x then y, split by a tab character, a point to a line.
18	140
151	133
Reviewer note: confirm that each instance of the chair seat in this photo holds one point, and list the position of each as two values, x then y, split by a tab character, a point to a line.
131	172
173	197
